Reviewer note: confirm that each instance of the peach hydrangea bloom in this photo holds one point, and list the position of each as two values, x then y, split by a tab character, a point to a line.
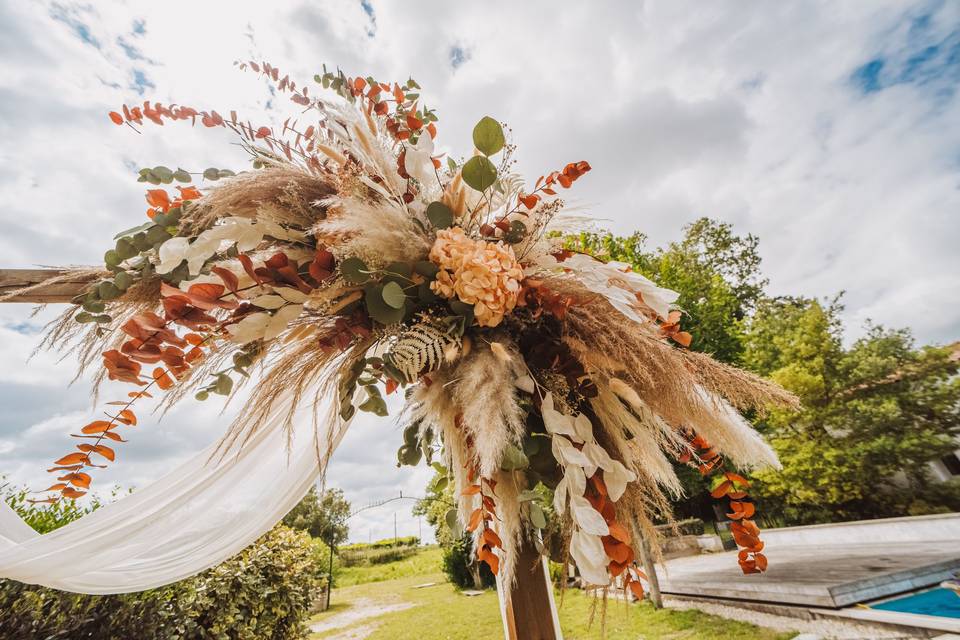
484	274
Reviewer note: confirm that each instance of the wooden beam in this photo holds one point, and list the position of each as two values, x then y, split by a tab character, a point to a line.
61	291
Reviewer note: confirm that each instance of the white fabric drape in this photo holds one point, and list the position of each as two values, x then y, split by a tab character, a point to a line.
195	517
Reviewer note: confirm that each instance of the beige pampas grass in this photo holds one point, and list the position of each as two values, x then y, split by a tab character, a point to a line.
681	388
484	392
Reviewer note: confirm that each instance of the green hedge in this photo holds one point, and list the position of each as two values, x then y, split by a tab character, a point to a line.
264	592
386	543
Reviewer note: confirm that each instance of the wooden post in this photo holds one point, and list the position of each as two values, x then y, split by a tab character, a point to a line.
62	291
528	610
647	561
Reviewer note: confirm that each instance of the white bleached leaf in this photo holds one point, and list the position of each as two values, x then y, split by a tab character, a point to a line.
172	253
555	422
588	518
281	319
250	328
268	302
577	480
291	295
617	479
587	552
560	496
583	428
598	457
274	230
525	383
417	160
566	453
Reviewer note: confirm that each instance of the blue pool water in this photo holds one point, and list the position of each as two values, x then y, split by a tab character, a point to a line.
935	602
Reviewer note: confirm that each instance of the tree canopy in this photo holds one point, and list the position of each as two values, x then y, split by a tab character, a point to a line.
323	516
875	413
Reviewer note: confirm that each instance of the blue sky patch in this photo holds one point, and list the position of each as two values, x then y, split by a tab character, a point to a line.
458	56
61	14
368	9
922	55
141	82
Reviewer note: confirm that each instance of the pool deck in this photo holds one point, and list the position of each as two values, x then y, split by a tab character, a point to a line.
818	575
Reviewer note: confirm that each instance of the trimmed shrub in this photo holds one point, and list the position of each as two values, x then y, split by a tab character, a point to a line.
264	592
462	568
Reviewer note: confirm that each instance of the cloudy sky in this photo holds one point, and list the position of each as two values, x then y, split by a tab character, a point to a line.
830	130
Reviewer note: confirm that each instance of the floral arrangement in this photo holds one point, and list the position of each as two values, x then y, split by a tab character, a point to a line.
354	260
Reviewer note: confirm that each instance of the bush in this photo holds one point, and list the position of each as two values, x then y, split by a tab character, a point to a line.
461	567
264	592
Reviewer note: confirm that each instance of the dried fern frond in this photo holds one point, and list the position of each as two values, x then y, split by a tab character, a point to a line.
421	349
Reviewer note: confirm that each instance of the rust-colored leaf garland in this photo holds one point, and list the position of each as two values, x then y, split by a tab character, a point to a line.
482	517
732	487
153	340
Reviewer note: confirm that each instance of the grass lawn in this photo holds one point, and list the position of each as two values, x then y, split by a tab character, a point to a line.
395	609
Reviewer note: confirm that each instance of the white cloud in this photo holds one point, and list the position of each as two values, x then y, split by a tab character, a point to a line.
768	116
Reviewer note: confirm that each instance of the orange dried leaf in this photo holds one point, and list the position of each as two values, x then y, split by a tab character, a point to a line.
162	378
77	479
127	417
488	556
721	489
73	459
72	493
102	449
116	117
475	520
97	426
472	490
490	537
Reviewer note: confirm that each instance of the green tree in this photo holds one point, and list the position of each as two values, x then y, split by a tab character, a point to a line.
322	516
873	416
715	271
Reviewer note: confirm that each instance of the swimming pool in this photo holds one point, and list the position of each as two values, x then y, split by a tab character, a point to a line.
935	602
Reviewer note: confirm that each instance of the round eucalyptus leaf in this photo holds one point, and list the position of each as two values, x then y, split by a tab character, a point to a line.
453	522
516	232
83	316
347	412
181	176
411	435
393	295
488	136
125	249
479	173
537	517
513	459
224	385
354	271
123	280
426	268
378	309
108	291
157	235
426	294
211	174
439	215
111	258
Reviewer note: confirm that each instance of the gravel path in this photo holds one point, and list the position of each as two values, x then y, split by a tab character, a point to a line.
359	610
